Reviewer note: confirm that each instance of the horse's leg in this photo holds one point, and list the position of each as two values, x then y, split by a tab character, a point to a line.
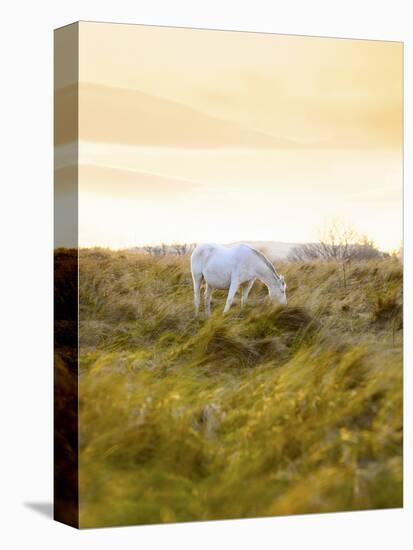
245	291
233	287
197	279
208	295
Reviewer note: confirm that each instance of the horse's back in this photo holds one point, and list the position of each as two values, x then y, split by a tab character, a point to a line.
216	263
205	251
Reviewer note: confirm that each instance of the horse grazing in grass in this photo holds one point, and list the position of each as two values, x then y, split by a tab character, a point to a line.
229	267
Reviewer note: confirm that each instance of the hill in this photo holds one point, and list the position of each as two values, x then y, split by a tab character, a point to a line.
266	411
274	250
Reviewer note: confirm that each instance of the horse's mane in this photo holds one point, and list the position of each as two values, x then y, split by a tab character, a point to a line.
265	259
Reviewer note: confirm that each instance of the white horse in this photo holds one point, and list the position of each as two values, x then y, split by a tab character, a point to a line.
231	267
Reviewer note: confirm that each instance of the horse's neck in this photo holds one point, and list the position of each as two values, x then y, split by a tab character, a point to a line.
265	275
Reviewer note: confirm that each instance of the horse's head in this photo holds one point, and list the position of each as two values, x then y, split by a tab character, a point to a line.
278	291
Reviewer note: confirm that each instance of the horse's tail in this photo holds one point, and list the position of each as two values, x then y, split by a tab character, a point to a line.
196	271
196	265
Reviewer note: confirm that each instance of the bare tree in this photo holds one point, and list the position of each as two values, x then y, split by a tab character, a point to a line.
339	243
183	249
149	250
180	249
164	249
155	250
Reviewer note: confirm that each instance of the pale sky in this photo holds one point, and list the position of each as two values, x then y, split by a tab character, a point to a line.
195	135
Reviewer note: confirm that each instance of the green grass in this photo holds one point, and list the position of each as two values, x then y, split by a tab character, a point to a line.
265	411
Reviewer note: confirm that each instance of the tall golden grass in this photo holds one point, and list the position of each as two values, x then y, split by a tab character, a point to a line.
268	410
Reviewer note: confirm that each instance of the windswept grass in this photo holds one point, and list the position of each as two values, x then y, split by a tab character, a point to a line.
269	410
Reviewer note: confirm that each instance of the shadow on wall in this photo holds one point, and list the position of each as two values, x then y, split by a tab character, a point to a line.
43	508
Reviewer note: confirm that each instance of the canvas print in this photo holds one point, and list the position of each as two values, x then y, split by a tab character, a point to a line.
228	274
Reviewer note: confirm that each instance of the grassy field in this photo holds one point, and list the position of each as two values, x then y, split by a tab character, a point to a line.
265	411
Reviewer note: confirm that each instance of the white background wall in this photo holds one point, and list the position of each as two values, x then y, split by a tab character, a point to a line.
26	270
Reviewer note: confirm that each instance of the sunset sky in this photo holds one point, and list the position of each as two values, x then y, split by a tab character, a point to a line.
197	135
